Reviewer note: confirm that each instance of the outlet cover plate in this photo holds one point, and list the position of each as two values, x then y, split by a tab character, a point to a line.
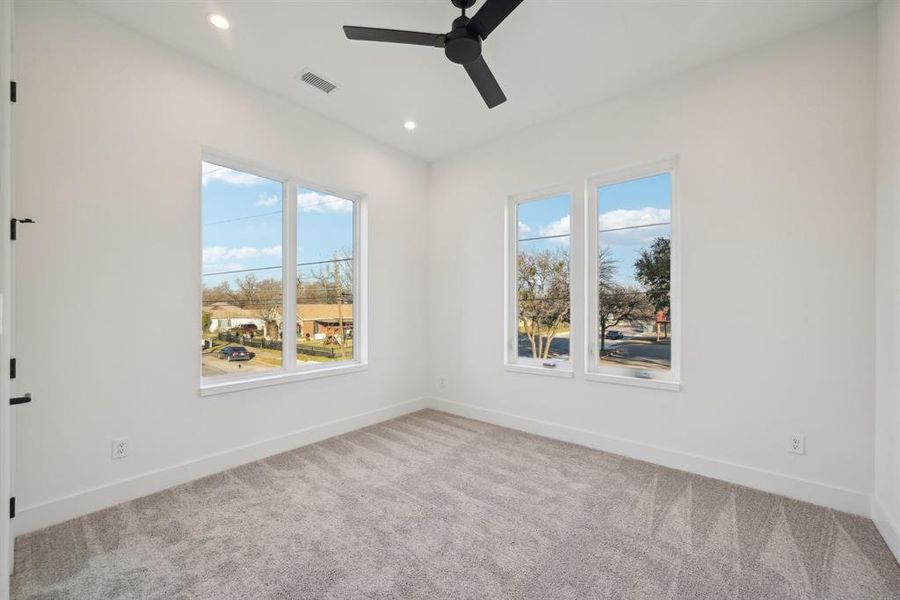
796	443
119	448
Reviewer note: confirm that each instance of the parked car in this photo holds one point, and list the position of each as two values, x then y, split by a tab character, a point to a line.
234	353
613	334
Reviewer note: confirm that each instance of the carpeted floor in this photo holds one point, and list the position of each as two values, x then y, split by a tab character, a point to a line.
432	506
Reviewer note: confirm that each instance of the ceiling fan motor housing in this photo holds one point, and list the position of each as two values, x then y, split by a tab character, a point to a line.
462	46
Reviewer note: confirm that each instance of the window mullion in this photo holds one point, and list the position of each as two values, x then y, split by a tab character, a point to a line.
289	279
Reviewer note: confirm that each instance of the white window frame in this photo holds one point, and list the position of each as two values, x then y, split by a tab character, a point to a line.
290	371
666	380
512	360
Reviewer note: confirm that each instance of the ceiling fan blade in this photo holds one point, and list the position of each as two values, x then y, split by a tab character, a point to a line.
490	15
396	36
484	80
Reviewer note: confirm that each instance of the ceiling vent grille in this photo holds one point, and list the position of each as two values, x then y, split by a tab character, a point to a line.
317	82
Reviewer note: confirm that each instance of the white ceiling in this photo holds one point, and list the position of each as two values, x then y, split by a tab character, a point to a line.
550	56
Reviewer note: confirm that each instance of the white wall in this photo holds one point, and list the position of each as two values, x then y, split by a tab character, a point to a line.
778	213
886	497
109	128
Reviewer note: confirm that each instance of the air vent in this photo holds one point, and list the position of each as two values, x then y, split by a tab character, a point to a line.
317	81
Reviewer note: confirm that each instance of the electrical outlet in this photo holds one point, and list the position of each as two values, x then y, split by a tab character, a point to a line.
796	443
442	382
119	448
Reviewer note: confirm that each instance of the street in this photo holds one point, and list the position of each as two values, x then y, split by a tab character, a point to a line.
559	346
633	351
213	366
638	351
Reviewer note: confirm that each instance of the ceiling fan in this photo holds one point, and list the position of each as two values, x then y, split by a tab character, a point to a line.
462	44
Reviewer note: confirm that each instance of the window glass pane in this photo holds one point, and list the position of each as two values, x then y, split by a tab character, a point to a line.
635	328
542	278
241	314
325	290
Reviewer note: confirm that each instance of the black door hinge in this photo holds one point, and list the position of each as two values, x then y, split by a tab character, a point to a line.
12	91
13	233
12	507
12	368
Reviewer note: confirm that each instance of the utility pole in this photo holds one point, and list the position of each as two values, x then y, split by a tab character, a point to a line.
340	300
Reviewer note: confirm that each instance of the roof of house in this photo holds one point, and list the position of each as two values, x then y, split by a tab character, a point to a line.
305	312
223	310
312	312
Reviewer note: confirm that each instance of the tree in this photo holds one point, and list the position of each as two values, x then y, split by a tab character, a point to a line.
219	293
543	290
320	287
263	298
335	284
652	270
617	302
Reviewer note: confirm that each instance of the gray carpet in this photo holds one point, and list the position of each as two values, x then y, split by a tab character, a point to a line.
432	506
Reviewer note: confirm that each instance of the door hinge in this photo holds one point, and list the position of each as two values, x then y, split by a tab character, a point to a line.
12	91
12	368
13	229
12	507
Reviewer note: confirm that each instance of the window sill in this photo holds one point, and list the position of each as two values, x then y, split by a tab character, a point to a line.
657	384
212	387
536	370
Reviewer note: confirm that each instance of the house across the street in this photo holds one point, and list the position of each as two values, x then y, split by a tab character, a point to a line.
314	321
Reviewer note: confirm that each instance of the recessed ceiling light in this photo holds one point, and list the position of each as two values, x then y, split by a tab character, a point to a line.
410	125
218	21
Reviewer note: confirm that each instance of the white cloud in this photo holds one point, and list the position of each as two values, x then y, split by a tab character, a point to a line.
214	254
621	218
524	229
558	227
268	201
213	172
310	201
617	219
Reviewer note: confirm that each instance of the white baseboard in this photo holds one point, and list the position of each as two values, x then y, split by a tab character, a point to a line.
38	516
31	518
847	500
887	527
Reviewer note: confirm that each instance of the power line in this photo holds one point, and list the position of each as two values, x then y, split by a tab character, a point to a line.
324	262
635	227
543	237
277	212
562	235
303	264
240	271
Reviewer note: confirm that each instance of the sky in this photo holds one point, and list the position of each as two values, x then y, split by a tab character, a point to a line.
631	215
242	226
646	203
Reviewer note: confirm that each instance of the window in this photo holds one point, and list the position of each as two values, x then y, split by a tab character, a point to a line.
242	272
262	255
633	309
324	277
539	292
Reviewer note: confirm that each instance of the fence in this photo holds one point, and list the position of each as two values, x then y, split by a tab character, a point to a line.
307	349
